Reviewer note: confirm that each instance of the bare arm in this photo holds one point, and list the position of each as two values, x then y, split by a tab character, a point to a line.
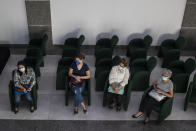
87	75
169	94
71	73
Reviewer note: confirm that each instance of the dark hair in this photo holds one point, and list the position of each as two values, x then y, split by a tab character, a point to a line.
124	61
81	56
21	62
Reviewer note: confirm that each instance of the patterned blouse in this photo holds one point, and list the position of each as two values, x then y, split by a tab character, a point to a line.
25	79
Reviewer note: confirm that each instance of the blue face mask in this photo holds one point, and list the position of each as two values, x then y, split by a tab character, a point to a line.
22	70
77	63
164	78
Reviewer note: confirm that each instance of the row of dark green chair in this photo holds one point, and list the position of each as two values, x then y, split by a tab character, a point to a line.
35	53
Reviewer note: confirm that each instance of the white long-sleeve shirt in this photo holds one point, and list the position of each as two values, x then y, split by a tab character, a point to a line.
119	76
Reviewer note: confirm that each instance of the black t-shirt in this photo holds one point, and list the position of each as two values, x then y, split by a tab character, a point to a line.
82	71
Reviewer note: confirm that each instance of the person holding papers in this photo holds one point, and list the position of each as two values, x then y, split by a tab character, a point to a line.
163	88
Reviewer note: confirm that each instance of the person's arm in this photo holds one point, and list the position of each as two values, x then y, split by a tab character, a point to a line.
169	94
87	75
112	78
154	84
125	79
17	81
33	79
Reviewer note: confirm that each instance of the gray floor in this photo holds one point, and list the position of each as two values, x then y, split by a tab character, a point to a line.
51	102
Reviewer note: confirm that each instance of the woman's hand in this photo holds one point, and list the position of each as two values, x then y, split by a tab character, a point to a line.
158	91
116	90
78	78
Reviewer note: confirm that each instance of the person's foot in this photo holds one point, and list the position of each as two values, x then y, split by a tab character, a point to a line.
147	119
32	109
112	106
75	111
16	110
139	114
118	108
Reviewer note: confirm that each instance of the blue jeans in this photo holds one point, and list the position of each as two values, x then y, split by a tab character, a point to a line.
78	95
27	96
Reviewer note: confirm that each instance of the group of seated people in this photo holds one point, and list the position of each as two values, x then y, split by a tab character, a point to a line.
24	80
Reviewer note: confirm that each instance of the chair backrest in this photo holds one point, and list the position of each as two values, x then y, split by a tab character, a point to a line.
44	40
69	52
138	54
140	81
171	55
151	63
81	39
104	62
137	42
101	79
180	43
71	41
114	40
106	42
66	61
194	82
116	60
33	52
104	53
190	65
147	41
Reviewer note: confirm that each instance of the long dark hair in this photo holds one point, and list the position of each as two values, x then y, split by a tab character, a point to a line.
21	63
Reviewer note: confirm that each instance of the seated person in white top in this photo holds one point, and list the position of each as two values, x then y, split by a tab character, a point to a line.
118	79
163	88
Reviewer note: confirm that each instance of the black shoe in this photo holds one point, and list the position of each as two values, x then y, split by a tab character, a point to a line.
16	110
84	110
32	109
75	111
118	109
146	120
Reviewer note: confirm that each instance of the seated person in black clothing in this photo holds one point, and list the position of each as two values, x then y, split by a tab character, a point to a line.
163	88
79	72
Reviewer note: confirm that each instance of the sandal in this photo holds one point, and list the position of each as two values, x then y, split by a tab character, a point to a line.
75	111
146	120
32	109
134	116
16	110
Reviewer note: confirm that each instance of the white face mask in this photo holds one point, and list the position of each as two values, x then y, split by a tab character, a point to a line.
164	78
22	70
120	68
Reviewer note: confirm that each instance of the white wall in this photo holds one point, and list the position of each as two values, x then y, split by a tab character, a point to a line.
127	18
13	22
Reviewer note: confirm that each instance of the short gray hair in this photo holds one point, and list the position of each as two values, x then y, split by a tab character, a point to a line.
168	72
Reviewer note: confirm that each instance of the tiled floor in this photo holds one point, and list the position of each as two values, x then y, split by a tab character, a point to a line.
51	102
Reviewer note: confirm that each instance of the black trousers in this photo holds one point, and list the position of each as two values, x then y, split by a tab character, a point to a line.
148	103
117	98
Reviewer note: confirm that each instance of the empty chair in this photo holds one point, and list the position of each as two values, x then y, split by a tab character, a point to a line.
191	94
39	44
69	52
142	65
74	42
102	54
139	45
106	43
169	57
4	56
181	73
170	44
